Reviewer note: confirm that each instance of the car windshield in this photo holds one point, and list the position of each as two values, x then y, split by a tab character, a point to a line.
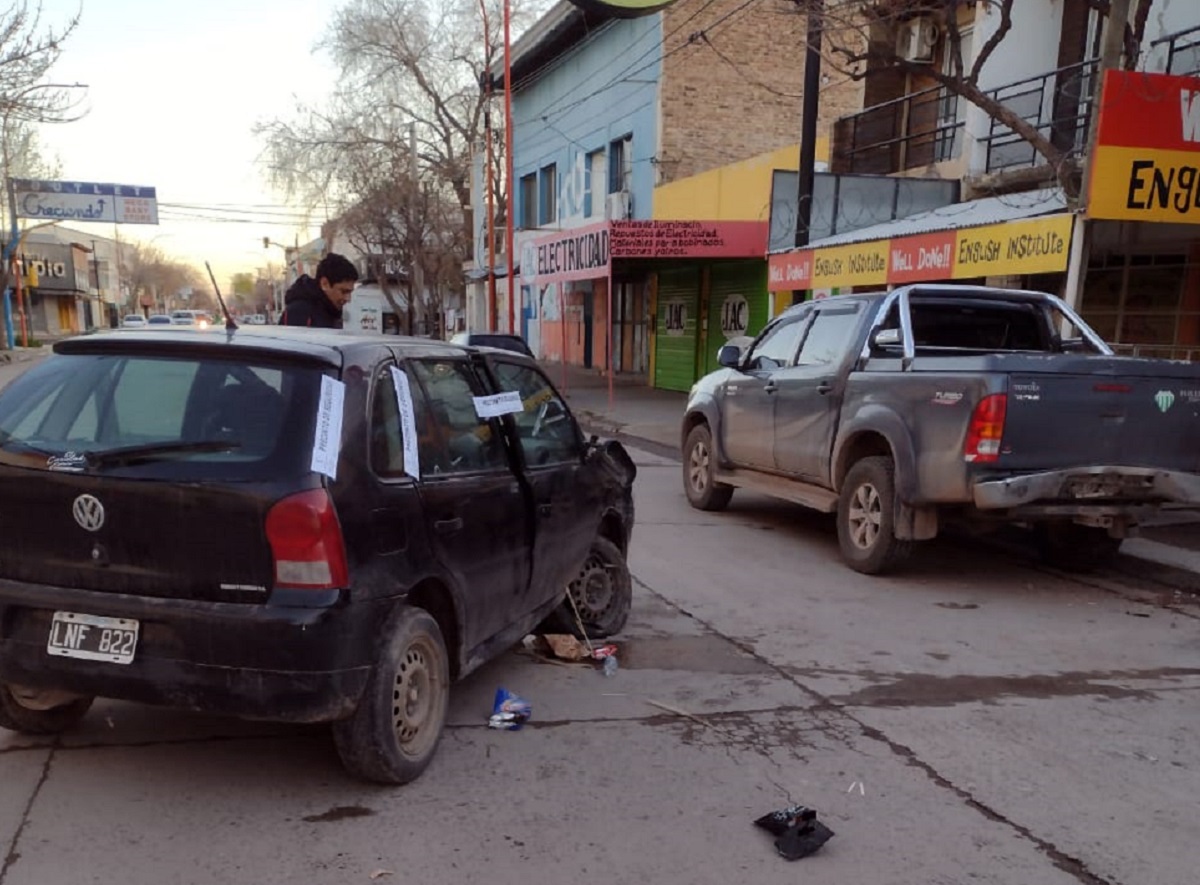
197	417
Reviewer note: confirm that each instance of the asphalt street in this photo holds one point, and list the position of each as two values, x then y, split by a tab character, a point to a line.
974	719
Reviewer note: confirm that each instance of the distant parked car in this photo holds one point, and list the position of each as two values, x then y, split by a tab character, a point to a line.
499	340
158	319
191	318
134	321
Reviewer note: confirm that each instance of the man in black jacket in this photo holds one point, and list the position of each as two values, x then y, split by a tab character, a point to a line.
318	303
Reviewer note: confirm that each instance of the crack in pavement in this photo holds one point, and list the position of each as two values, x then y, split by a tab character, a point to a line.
12	855
1069	864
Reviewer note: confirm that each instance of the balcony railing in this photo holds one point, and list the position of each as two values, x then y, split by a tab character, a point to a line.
1183	52
908	133
1058	104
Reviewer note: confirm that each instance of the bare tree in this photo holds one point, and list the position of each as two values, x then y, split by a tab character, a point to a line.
29	50
862	39
406	67
153	276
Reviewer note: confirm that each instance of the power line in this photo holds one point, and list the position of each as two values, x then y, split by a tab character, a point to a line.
630	72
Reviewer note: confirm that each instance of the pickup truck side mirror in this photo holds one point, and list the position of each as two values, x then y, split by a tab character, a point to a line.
887	338
729	356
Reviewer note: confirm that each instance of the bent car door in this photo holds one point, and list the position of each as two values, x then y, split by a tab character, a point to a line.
566	497
475	507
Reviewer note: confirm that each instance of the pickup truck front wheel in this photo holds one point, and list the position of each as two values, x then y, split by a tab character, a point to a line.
866	517
699	472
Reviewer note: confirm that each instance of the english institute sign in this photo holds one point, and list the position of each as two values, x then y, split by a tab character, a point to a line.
1146	166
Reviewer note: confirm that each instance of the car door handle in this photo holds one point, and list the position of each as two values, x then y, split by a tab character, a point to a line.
824	387
770	387
448	526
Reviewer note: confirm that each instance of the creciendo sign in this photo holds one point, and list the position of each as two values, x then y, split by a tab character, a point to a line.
623	8
85	201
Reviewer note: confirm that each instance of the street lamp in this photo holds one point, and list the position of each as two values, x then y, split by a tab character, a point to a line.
277	294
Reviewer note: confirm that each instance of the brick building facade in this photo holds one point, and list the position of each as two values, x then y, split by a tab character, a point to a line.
732	81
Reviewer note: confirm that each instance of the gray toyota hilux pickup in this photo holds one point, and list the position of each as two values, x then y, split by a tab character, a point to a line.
902	410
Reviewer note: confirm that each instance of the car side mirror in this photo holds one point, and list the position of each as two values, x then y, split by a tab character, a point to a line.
887	338
729	356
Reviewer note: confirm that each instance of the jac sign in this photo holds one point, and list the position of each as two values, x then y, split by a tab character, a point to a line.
1146	166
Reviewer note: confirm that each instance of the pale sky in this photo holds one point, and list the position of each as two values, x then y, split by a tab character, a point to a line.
174	88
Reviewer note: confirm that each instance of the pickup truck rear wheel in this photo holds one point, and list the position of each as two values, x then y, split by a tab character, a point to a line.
24	711
866	517
1075	548
699	472
395	730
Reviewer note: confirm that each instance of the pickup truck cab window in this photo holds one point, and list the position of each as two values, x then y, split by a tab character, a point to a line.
777	347
829	336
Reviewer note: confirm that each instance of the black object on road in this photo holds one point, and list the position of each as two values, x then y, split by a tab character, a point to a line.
796	828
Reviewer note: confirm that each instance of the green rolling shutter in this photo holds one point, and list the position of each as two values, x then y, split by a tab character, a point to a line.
675	329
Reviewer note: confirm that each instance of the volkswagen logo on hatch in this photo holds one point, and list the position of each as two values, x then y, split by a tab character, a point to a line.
88	512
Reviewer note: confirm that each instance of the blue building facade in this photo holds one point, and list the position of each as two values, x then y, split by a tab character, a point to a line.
585	140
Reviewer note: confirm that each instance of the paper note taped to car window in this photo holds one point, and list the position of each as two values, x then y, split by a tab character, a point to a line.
408	422
328	442
508	403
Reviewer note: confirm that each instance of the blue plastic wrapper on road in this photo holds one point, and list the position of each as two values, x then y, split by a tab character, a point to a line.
509	711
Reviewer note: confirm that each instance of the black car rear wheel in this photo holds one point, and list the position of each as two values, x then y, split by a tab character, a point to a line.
394	733
30	712
602	592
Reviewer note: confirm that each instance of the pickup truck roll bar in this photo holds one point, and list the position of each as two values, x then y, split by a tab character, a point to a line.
903	297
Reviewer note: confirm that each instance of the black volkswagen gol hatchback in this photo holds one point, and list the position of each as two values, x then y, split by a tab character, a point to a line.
295	525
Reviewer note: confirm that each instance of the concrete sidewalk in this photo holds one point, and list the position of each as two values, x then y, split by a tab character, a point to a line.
1168	548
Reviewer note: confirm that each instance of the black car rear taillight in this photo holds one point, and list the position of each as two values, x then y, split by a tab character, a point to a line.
306	542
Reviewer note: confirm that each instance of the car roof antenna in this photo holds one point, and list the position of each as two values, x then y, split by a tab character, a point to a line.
230	325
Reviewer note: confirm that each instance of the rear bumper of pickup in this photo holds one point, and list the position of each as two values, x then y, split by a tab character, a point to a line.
1090	487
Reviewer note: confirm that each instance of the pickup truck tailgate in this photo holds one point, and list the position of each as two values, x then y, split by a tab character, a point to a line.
1123	412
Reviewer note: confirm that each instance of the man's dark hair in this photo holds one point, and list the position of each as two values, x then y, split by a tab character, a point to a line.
337	269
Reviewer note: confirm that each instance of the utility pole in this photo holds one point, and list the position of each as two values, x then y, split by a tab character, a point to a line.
509	221
808	129
1081	237
415	275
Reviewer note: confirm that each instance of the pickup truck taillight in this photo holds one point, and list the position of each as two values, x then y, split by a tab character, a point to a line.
306	542
986	430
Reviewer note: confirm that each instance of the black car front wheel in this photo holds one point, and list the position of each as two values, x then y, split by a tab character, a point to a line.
602	593
392	736
33	712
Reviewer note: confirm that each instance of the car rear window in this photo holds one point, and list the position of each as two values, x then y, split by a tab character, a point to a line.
90	404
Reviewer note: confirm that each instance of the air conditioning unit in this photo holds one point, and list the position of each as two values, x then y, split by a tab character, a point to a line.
917	39
618	207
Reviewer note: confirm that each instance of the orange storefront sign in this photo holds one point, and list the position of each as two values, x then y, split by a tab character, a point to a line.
1146	166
